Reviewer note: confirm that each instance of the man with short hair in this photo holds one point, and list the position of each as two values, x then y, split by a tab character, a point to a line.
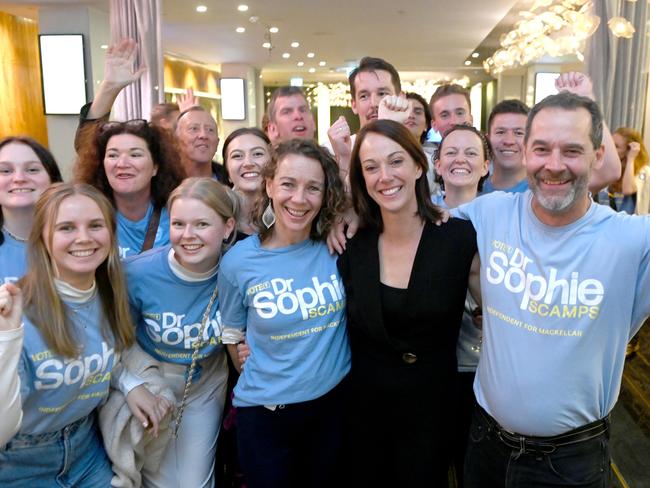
558	309
450	105
506	131
370	82
289	115
197	136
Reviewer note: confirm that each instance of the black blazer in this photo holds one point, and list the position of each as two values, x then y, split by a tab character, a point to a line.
435	297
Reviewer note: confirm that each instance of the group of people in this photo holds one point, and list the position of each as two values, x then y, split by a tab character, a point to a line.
379	320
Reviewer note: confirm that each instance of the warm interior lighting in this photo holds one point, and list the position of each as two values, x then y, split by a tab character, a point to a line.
621	27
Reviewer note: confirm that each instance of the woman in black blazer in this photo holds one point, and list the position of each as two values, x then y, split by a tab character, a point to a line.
405	280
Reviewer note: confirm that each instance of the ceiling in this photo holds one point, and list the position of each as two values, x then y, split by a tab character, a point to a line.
422	38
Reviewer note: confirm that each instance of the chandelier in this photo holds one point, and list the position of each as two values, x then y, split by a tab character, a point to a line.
553	27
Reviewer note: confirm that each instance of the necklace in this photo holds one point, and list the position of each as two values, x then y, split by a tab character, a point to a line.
19	239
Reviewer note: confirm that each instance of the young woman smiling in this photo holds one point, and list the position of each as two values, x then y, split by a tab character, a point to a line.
281	288
246	152
173	295
405	280
26	170
136	165
71	321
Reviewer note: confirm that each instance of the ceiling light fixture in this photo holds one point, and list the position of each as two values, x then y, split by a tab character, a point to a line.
240	29
201	9
274	30
312	70
310	55
621	27
551	27
301	64
475	55
286	55
266	45
295	44
242	8
322	63
468	62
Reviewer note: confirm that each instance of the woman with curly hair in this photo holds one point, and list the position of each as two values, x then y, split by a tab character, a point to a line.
282	289
136	165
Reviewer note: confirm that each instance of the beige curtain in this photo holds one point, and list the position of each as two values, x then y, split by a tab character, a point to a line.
619	67
139	20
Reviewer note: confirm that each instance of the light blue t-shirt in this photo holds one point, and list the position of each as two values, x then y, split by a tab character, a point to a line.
291	303
168	310
519	187
56	391
559	307
13	259
130	234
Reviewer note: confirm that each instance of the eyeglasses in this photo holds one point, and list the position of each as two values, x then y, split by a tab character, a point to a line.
129	124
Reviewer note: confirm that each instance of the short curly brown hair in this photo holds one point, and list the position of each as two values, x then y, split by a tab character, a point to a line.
334	194
89	167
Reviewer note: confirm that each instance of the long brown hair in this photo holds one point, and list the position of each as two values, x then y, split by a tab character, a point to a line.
642	159
43	305
366	208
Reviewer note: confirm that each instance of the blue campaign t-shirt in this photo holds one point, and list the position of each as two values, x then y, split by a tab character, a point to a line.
519	187
168	310
559	307
56	391
13	259
291	304
130	234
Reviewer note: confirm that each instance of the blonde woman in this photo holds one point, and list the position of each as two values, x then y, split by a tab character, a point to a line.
72	317
173	295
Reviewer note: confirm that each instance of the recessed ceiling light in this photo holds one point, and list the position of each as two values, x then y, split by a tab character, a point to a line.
310	55
242	8
201	8
295	44
300	64
274	30
286	55
103	46
312	70
266	45
468	62
322	63
475	55
241	29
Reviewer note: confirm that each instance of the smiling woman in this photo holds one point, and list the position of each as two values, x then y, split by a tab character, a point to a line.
75	314
136	165
26	170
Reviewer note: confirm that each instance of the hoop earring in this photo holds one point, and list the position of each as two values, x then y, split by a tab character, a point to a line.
268	217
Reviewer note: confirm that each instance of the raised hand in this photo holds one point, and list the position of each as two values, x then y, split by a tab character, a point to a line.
339	136
187	100
11	307
575	82
394	107
634	148
119	68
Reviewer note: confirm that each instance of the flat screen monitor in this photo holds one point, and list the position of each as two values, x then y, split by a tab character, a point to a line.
233	98
63	73
545	85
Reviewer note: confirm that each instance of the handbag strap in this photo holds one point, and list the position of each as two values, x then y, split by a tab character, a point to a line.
198	343
152	228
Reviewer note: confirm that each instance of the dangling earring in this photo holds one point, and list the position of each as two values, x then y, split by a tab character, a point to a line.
319	225
268	217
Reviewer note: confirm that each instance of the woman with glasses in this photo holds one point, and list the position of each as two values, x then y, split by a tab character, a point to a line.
136	165
26	170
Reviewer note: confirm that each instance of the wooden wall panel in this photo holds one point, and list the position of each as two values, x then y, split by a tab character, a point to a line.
21	100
